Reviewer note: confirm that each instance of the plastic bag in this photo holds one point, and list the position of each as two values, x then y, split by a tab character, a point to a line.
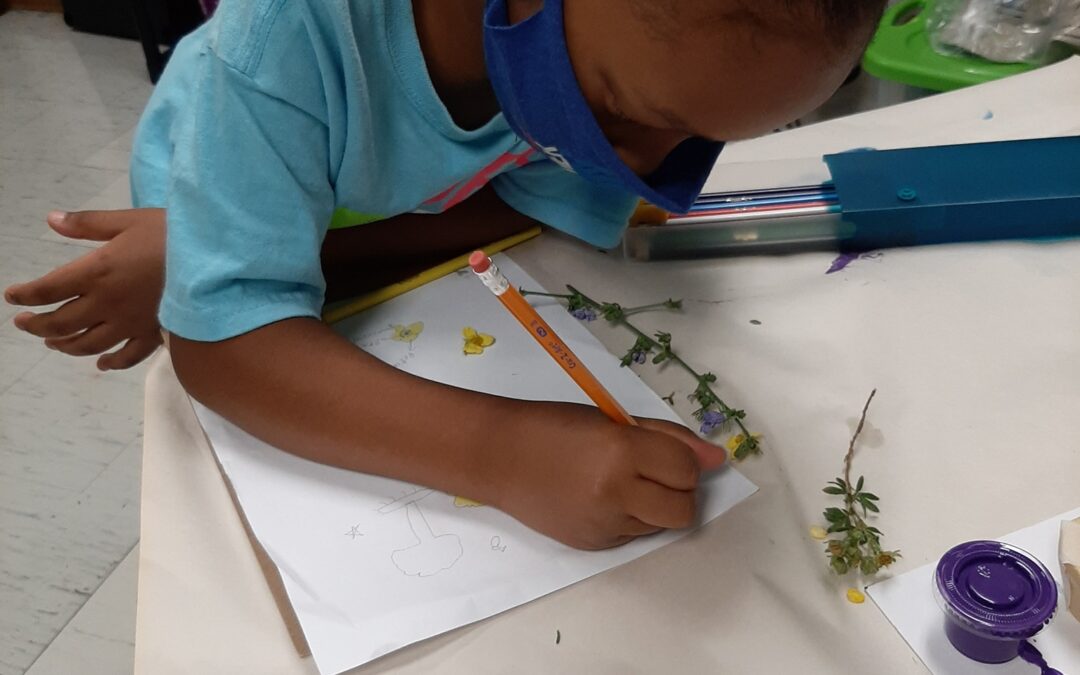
1007	31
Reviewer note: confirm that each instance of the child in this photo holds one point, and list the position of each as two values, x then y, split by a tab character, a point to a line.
437	125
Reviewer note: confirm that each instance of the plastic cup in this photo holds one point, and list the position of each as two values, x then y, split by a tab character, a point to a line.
993	596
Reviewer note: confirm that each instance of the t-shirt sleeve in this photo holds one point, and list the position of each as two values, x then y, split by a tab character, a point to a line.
152	146
558	198
248	204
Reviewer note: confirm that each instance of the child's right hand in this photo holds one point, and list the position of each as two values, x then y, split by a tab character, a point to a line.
579	478
111	293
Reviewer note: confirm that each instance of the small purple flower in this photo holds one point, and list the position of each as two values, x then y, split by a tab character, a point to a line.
639	357
584	314
711	420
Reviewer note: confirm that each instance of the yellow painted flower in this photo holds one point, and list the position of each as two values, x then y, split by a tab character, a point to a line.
407	333
465	503
475	341
855	596
818	532
734	442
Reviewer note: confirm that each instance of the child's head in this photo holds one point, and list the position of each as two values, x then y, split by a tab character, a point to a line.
658	73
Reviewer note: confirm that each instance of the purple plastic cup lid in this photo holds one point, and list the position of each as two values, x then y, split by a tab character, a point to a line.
996	590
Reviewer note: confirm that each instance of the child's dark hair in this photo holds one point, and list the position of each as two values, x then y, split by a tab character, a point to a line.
843	21
839	16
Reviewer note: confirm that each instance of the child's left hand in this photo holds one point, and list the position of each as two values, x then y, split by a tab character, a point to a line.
111	293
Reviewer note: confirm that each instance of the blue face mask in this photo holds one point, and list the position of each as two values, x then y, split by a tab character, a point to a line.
530	71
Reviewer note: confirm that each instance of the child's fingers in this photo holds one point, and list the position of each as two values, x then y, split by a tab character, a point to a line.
638	528
654	504
72	317
709	456
56	286
61	284
669	464
94	225
130	354
94	340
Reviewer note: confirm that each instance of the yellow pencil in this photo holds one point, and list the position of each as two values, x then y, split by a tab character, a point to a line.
545	335
369	300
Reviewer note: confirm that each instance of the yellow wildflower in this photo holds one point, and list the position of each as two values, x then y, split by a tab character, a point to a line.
855	596
476	342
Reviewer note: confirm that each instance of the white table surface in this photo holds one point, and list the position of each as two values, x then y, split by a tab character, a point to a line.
974	349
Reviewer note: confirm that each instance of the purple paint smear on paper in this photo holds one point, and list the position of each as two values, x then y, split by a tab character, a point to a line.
1032	655
845	259
842	261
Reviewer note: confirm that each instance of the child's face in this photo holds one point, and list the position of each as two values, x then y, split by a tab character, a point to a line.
729	82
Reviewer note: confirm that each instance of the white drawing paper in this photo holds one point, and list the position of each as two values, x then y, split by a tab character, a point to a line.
370	564
908	603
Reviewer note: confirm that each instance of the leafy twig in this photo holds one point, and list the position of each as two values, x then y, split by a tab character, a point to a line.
712	411
860	546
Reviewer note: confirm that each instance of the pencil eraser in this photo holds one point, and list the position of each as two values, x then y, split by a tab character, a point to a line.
479	262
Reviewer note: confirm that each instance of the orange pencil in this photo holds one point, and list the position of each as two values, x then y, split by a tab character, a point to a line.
538	328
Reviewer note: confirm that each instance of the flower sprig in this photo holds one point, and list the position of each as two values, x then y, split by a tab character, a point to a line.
859	547
712	412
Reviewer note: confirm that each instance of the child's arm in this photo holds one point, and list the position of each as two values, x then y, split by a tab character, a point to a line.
111	294
562	469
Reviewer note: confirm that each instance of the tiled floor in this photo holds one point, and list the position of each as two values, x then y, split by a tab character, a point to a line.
70	437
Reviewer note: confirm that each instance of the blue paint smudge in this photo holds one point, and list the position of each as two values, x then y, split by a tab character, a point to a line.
988	115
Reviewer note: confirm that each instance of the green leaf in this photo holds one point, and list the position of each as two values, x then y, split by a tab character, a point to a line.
858	485
871	496
835	515
833	491
839	566
871	506
838	527
869	566
876	531
612	311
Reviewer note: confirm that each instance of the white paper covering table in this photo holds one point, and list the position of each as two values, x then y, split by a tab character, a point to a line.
975	351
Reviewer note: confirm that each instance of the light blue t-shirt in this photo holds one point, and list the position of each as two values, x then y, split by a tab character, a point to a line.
281	118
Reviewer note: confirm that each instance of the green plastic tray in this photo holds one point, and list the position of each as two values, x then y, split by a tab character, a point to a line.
901	52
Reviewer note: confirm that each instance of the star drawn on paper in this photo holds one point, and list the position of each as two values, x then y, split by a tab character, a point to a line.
354	532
